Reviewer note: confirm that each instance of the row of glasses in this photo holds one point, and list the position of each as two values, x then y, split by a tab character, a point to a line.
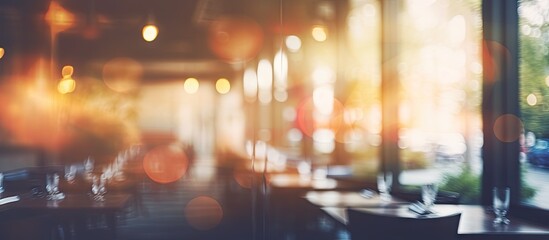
500	202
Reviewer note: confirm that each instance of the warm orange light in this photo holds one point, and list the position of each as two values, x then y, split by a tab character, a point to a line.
67	85
222	86
150	32
191	85
243	178
122	74
59	18
67	71
203	213
165	164
235	39
319	33
1	52
309	120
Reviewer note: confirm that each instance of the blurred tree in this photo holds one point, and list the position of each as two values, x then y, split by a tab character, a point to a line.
534	69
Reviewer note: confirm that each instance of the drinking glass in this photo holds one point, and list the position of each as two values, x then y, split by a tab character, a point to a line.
88	167
501	205
429	195
99	187
70	173
52	187
1	182
384	183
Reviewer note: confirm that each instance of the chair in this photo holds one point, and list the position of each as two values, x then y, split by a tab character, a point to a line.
366	225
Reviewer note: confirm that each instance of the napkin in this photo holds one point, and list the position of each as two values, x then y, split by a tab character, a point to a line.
419	208
9	200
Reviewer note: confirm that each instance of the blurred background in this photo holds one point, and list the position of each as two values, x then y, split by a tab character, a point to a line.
317	88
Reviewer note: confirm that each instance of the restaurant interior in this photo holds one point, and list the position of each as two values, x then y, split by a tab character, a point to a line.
274	119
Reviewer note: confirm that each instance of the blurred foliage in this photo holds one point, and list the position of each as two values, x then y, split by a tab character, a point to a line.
467	184
533	72
414	159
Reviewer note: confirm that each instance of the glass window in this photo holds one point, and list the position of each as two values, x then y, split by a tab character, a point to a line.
440	74
534	95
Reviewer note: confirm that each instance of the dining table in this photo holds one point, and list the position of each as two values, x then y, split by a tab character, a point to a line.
73	212
476	220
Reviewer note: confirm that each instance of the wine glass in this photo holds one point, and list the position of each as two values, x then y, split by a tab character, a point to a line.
88	167
429	195
1	182
70	173
384	183
98	187
52	187
501	205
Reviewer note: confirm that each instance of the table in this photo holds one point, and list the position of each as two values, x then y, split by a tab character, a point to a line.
475	223
74	208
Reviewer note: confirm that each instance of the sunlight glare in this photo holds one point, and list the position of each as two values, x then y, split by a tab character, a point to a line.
456	30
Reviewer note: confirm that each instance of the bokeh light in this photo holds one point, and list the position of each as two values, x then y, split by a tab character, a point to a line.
191	85
203	213
59	18
222	86
66	85
508	128
546	78
1	52
250	84
319	33
531	99
67	71
235	38
150	32
243	178
293	43
309	120
165	164
122	74
496	53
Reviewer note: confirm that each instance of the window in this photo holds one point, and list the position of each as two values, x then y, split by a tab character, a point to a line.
440	76
534	96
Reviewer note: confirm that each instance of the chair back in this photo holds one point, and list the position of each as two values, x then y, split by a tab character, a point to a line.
366	225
